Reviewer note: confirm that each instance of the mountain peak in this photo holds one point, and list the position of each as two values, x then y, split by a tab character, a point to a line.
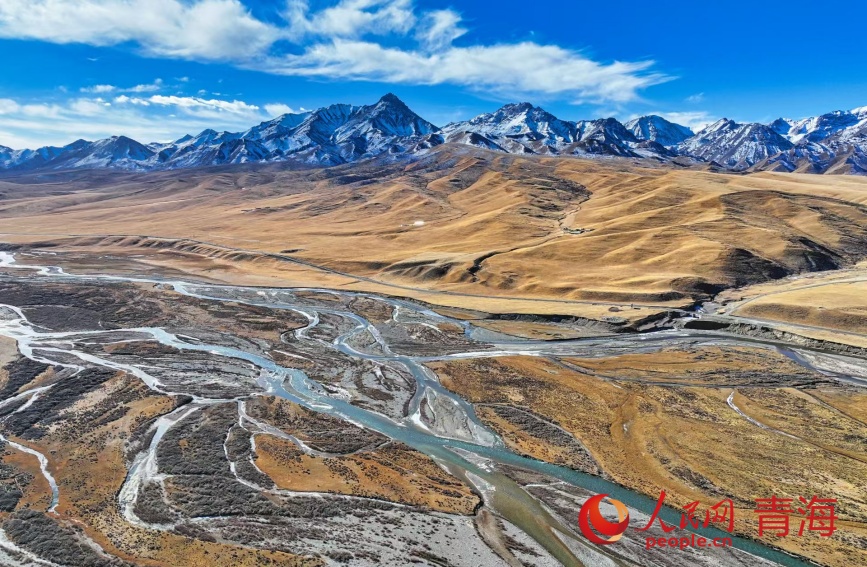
391	98
735	146
781	126
518	107
721	124
519	128
390	116
344	133
609	121
76	145
655	128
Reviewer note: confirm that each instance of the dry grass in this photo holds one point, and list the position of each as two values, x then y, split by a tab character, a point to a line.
552	331
8	353
651	236
393	472
840	306
362	463
826	305
708	366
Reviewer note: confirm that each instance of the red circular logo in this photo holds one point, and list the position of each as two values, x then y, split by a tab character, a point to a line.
590	519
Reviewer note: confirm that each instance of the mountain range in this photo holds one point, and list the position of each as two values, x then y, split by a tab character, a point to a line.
341	133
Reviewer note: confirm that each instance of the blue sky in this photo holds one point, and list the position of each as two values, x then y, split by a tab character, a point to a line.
157	69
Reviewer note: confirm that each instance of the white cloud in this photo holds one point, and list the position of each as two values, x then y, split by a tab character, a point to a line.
11	107
363	40
123	99
146	88
507	70
279	109
197	29
194	103
343	50
696	98
155	118
149	88
99	89
693	120
8	106
440	28
89	107
350	18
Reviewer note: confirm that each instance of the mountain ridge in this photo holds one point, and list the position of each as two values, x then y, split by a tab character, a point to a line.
835	142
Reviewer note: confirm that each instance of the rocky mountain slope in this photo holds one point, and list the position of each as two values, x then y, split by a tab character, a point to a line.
733	145
341	133
831	143
658	129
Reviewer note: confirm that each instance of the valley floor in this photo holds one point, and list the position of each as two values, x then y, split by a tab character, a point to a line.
189	445
432	362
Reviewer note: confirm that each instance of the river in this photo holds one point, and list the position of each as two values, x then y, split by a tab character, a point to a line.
469	450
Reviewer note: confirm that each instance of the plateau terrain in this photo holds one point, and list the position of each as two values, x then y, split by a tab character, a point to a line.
431	357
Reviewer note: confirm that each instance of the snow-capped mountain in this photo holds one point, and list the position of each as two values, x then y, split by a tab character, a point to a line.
272	133
477	140
657	129
523	128
343	133
32	159
817	128
606	136
117	152
208	148
332	135
835	142
733	145
516	128
224	150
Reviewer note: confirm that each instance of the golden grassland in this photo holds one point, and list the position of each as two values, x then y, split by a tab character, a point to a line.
829	306
525	443
390	472
836	301
703	366
687	441
547	331
461	221
8	353
378	469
